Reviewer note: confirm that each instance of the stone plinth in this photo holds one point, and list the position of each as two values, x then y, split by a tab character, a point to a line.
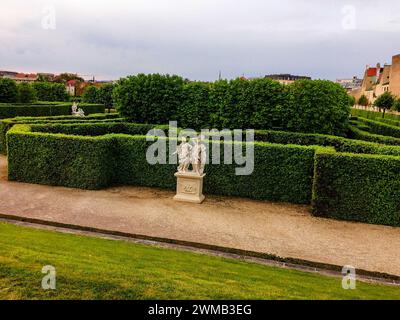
189	187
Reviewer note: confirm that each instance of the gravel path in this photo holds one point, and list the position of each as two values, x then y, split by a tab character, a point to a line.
284	230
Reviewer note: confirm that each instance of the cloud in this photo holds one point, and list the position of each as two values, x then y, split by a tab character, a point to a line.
197	38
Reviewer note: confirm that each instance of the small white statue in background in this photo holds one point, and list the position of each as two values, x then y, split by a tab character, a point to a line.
184	155
198	155
77	112
74	108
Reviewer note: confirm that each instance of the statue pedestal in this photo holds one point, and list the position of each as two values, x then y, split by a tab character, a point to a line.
189	187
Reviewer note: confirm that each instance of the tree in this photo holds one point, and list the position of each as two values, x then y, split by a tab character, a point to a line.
396	105
8	90
105	95
65	77
352	101
47	91
316	106
26	94
91	95
385	102
151	98
363	101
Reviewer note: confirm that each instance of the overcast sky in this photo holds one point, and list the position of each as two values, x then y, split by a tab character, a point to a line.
196	38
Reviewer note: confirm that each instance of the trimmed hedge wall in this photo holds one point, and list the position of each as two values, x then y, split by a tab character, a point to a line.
7	124
357	187
315	106
373	115
36	110
281	173
357	133
381	128
341	185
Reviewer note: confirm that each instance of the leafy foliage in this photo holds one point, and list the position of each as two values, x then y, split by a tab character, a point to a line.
385	101
354	187
91	95
105	95
317	106
363	101
305	106
48	91
8	90
26	94
150	98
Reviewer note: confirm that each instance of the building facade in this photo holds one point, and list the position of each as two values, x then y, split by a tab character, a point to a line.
380	79
286	78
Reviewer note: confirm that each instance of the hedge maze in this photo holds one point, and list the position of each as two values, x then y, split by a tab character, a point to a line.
307	149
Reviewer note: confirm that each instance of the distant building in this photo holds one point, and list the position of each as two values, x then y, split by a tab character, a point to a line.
286	78
350	84
378	80
19	77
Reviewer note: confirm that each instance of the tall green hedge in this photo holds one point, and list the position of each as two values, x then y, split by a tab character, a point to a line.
7	124
50	91
357	187
380	128
346	183
37	110
305	106
281	173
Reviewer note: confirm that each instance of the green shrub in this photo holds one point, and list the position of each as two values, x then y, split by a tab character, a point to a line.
150	98
374	115
59	160
7	124
305	106
194	112
284	173
37	110
355	187
385	101
381	128
91	95
105	95
8	91
357	133
363	101
49	91
26	94
317	106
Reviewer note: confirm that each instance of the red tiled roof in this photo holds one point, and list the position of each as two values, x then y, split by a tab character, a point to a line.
371	72
25	75
71	83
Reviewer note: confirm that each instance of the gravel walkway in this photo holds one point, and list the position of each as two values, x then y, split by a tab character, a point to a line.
284	230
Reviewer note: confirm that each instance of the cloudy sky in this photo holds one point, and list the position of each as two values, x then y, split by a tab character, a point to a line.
196	38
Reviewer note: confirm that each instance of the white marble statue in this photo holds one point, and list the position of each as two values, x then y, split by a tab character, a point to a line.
198	155
184	154
77	112
74	108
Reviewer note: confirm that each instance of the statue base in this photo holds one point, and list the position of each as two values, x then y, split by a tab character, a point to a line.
189	187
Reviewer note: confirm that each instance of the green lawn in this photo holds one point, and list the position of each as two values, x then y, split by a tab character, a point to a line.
90	268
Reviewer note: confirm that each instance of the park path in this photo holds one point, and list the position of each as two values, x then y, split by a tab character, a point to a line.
284	230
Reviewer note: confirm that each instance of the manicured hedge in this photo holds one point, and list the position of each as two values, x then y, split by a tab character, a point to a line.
314	106
347	183
36	110
357	187
281	173
58	159
374	115
357	133
380	128
7	124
